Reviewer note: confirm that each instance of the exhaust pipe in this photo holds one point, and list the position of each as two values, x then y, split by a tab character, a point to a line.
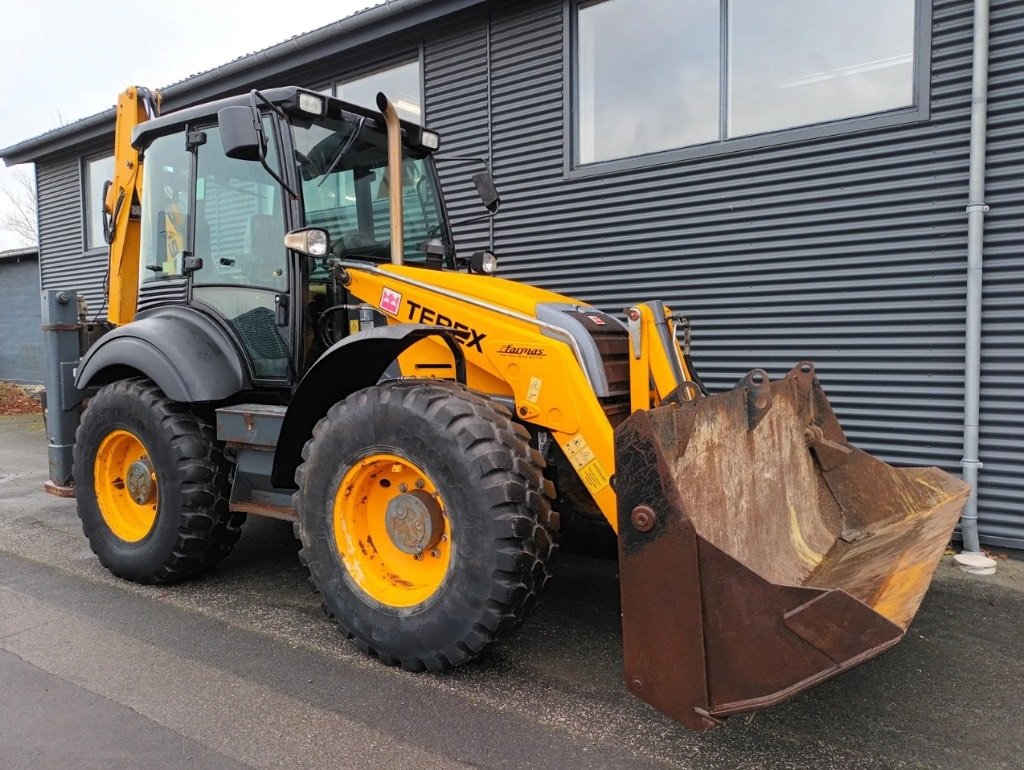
387	109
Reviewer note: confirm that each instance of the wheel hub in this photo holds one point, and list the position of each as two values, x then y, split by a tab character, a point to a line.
139	481
414	521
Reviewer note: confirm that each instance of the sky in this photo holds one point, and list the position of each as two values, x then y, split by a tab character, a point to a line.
65	60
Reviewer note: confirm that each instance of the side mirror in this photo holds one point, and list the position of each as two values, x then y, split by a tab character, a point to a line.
487	191
238	133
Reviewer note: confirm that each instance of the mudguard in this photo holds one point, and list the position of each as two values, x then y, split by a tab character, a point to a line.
357	362
182	350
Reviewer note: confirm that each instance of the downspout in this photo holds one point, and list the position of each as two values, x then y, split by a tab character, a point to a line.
976	209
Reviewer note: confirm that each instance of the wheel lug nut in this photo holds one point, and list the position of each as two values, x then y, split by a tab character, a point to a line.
403	487
419	484
435	553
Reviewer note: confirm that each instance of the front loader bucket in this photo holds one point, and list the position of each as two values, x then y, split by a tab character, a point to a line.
760	553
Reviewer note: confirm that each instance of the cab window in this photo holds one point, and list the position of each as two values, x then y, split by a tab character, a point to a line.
239	236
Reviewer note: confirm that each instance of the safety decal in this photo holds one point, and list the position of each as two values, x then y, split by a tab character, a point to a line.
594	476
598	321
390	301
591	471
533	392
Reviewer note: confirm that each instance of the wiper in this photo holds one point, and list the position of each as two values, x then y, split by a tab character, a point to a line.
342	151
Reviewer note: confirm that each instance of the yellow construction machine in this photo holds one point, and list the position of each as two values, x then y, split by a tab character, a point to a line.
292	333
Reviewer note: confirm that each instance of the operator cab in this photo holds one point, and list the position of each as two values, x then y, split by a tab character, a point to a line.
219	202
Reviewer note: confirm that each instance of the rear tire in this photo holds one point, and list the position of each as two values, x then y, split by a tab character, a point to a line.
495	514
185	527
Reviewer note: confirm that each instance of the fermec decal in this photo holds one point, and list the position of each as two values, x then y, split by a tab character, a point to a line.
468	336
390	301
521	350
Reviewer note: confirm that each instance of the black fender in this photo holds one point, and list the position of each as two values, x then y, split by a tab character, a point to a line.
184	351
357	362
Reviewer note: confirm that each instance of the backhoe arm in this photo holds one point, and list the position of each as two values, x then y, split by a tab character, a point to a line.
122	205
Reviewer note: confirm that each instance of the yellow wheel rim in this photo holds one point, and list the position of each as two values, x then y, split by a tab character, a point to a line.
392	531
125	485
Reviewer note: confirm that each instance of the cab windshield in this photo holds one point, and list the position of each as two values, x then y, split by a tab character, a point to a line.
345	190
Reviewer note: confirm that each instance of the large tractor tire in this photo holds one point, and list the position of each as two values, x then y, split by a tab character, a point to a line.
425	521
152	485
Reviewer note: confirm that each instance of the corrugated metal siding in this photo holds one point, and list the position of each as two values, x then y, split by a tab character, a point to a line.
21	339
1001	482
63	264
847	250
455	75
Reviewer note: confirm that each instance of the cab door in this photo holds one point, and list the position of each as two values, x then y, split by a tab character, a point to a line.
241	267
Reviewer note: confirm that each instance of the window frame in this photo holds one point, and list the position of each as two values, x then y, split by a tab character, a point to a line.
410	56
919	111
84	177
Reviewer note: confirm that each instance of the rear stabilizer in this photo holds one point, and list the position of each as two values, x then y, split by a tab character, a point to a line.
760	553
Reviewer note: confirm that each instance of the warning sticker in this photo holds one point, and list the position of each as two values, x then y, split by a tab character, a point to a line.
533	392
575	445
594	476
583	459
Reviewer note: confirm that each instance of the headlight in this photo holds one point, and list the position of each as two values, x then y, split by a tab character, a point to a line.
483	262
429	140
312	241
311	103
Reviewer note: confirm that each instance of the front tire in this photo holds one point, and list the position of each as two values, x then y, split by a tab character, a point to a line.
152	485
425	521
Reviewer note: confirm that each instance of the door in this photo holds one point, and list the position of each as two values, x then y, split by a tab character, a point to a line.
238	235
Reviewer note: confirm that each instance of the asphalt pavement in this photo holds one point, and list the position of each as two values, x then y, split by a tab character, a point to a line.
241	669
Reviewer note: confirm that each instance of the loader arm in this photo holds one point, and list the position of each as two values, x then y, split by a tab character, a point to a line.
511	354
122	205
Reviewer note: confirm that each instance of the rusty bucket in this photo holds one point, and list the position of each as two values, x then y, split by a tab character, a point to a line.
760	553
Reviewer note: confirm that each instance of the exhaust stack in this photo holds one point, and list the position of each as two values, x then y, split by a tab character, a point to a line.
387	109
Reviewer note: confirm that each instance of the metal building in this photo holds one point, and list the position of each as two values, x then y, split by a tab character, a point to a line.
21	344
795	181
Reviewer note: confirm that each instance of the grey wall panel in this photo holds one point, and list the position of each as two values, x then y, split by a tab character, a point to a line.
1001	481
456	81
63	263
21	339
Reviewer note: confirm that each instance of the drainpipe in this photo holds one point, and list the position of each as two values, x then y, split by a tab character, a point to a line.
976	209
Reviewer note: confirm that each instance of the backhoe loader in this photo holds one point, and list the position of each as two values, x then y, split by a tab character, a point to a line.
290	332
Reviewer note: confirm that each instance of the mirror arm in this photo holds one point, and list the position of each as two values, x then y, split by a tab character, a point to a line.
257	124
477	218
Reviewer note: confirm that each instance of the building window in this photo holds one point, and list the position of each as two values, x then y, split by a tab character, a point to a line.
403	85
97	172
655	75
